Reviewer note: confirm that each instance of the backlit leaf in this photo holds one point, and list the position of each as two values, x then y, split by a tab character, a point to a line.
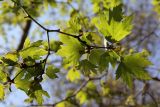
115	31
129	68
33	52
72	49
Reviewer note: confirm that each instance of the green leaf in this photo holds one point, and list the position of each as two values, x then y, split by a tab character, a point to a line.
51	70
72	49
10	58
122	72
29	100
22	81
86	67
29	61
38	70
133	66
91	85
82	97
54	45
94	56
73	75
9	62
2	93
3	76
106	58
109	4
37	43
92	38
27	43
116	13
33	52
23	85
115	30
39	96
119	30
65	104
74	23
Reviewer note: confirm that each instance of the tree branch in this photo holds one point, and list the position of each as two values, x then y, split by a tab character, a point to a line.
83	85
25	34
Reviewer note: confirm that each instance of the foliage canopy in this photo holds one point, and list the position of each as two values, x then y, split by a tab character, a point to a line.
89	46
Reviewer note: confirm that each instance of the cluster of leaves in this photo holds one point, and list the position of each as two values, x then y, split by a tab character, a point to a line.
84	54
30	66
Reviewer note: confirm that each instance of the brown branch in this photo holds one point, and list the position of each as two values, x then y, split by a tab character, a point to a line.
23	38
25	34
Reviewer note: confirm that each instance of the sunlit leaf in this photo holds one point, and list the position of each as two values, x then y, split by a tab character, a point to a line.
82	97
114	31
65	104
2	93
10	58
111	3
33	52
27	43
73	75
3	76
37	43
72	49
74	22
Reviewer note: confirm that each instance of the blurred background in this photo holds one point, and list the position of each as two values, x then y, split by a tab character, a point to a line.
54	14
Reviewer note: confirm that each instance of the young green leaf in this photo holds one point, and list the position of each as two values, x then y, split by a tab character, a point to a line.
72	49
114	31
